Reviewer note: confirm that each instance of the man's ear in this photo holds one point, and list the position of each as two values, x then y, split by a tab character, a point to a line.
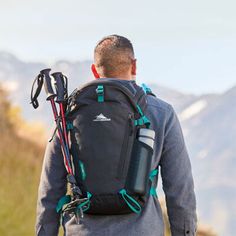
133	67
95	73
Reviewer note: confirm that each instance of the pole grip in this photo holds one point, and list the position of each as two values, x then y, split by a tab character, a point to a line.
60	87
47	84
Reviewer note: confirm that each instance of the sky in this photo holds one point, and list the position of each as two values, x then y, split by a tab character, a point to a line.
187	45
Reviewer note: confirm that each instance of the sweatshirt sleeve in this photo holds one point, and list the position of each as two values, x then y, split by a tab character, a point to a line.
177	180
51	188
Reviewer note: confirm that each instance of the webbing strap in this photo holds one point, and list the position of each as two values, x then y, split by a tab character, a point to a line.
131	202
143	120
152	176
140	110
63	201
100	93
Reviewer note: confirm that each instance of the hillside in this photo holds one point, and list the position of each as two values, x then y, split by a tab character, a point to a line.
210	136
20	165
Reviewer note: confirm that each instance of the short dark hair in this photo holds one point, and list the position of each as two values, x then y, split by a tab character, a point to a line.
113	55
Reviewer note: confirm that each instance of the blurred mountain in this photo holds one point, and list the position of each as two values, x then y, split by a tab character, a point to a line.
208	123
209	127
210	133
177	99
17	76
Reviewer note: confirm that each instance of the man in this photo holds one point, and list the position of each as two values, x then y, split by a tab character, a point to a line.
114	58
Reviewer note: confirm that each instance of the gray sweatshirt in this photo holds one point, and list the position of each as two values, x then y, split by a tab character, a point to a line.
169	153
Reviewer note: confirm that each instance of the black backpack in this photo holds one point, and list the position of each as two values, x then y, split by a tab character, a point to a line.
103	118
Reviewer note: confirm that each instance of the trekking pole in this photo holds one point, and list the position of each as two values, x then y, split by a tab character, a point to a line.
62	94
61	88
44	79
50	97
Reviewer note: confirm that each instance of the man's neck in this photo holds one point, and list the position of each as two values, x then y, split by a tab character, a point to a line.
128	78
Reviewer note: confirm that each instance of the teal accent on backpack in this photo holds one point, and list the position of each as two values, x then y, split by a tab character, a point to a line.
139	110
152	176
82	170
62	202
69	126
100	93
143	120
136	208
153	192
146	89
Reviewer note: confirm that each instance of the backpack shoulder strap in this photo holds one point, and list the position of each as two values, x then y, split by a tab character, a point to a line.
141	95
147	90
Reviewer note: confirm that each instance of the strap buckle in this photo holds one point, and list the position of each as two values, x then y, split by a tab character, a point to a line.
100	93
142	121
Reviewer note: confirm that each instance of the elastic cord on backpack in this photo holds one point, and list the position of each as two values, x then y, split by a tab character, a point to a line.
84	206
131	202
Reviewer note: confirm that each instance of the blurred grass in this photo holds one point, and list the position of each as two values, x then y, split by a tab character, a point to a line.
20	166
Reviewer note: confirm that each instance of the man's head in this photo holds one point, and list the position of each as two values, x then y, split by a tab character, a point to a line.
114	58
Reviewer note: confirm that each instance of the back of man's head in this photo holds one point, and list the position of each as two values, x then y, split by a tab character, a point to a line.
113	56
